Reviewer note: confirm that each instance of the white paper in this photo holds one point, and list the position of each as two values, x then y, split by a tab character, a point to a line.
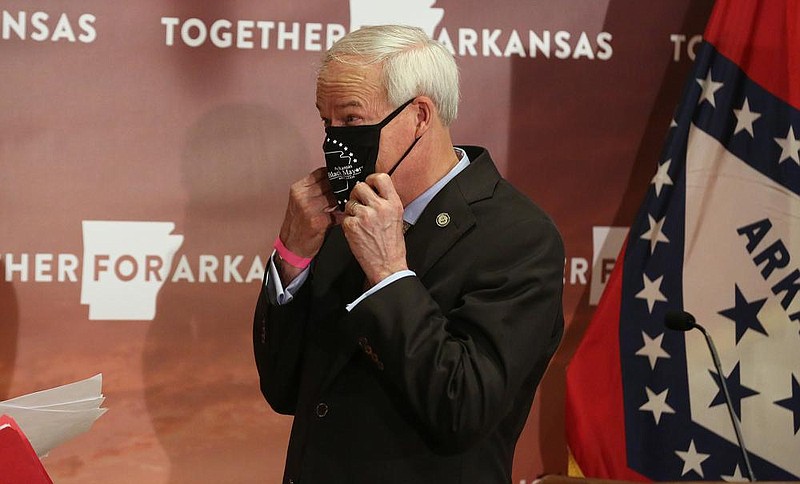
51	417
80	390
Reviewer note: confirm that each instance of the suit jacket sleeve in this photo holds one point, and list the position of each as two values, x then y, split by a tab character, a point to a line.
460	371
278	338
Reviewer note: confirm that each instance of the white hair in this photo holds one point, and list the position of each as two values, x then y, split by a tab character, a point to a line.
412	64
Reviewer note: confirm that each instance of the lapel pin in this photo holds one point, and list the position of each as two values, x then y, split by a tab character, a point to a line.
443	219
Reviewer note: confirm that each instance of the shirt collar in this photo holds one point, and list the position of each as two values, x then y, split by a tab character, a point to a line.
414	209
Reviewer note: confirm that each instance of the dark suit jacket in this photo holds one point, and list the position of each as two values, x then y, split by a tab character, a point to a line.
430	379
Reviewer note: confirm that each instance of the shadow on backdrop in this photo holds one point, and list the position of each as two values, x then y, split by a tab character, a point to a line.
201	385
9	327
579	134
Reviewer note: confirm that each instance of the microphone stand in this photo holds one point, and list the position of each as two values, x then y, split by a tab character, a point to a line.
734	420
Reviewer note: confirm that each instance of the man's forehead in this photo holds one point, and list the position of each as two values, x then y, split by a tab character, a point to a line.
346	85
337	72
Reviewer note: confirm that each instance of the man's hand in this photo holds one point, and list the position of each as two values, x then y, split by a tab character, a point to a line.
373	225
309	214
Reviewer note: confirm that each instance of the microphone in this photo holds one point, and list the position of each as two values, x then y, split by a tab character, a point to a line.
684	321
680	321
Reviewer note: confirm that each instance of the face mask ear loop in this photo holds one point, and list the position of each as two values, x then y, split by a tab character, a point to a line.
392	169
388	119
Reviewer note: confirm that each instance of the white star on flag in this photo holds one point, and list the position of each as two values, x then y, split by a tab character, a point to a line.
661	177
736	477
692	459
790	147
745	118
654	233
652	349
657	403
651	292
710	87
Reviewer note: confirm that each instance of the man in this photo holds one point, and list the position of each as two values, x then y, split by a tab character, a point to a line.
407	358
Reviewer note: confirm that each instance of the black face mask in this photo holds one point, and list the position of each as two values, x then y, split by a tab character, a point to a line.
351	153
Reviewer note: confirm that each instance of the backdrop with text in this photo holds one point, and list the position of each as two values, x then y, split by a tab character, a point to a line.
146	150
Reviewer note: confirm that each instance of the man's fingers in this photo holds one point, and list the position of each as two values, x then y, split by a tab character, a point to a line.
364	194
383	185
318	175
315	184
324	190
337	217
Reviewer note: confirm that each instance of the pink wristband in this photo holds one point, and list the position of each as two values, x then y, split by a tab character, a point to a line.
290	257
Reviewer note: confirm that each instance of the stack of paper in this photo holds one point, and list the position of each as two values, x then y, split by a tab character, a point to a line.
51	417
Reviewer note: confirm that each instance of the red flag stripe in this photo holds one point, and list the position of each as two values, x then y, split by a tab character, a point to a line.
595	375
763	38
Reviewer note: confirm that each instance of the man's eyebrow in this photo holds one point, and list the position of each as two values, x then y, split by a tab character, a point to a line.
348	104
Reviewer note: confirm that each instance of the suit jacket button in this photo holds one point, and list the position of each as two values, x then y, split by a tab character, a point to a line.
322	409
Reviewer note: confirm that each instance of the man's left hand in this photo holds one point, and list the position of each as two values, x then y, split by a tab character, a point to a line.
373	226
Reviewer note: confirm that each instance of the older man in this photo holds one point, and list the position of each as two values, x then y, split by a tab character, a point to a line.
407	355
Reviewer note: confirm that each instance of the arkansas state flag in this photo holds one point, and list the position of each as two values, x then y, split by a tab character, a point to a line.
718	236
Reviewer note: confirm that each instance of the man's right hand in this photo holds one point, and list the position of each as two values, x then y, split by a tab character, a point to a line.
309	214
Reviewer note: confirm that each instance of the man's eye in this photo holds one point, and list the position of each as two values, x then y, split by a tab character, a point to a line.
352	119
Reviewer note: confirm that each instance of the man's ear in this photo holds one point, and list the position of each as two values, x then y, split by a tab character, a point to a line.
426	113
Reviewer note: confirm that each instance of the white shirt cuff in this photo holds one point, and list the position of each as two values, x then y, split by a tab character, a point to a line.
390	279
277	293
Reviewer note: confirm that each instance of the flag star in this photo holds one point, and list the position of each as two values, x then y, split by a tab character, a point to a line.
651	292
793	404
652	350
736	390
692	460
710	87
662	177
736	477
745	118
657	403
745	314
790	147
654	233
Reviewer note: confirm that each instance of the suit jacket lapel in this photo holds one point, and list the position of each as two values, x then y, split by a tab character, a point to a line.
446	218
449	216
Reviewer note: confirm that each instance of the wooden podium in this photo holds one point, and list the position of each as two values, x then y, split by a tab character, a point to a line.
18	461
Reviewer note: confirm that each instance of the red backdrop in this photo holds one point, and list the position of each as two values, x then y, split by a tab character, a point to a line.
137	113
